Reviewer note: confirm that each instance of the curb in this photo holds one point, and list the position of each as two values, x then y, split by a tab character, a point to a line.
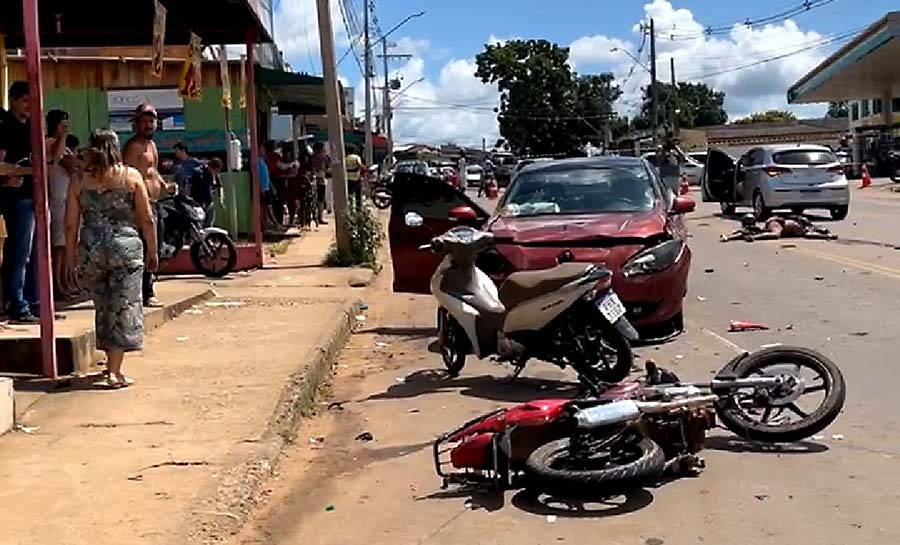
224	510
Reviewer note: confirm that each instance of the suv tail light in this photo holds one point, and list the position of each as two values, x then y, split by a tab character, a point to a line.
836	169
777	171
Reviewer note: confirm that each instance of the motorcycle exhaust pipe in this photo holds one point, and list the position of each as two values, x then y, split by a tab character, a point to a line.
656	407
617	412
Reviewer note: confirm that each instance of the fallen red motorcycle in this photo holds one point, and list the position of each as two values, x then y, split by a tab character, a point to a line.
636	431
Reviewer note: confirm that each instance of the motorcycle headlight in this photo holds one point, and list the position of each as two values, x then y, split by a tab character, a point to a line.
655	259
197	213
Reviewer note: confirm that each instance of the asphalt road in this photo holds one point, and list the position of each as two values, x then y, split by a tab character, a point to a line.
839	297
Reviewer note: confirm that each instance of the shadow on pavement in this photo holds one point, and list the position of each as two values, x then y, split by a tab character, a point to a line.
523	389
736	444
412	332
599	506
476	498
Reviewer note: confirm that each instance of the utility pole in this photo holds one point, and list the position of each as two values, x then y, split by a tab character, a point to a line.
675	97
335	127
387	113
367	43
654	94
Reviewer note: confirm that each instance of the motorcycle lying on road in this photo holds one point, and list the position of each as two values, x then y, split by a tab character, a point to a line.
568	315
634	432
212	251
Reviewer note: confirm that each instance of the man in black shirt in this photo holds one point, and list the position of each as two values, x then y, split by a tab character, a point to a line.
17	204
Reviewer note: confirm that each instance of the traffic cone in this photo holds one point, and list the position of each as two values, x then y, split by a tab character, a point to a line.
685	186
866	179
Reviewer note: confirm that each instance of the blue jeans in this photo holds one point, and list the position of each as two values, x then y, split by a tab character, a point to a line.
19	257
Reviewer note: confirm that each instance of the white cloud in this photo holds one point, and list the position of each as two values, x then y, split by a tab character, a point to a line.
417	47
297	33
596	50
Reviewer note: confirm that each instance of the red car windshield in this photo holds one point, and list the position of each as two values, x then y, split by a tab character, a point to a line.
580	190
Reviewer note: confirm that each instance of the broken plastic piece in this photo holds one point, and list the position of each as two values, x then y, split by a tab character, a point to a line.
738	326
360	318
838	437
701	298
365	437
551	518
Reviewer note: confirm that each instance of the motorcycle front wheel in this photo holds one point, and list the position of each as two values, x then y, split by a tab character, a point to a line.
810	399
215	256
382	198
565	466
452	340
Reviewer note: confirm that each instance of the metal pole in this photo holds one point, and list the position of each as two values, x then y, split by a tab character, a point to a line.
654	92
386	100
674	98
335	126
368	78
4	74
256	214
39	168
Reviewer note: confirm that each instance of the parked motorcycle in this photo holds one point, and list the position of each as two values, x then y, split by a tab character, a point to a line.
212	251
894	165
568	315
382	195
634	432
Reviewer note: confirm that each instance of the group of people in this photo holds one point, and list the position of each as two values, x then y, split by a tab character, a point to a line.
105	220
292	185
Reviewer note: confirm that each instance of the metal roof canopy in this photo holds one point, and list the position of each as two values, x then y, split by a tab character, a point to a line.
866	67
97	23
294	94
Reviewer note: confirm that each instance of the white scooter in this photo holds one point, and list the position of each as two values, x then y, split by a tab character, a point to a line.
567	315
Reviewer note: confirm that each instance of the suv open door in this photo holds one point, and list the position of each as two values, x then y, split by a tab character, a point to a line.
442	207
717	179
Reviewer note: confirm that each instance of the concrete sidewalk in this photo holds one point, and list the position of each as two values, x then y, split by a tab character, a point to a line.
180	456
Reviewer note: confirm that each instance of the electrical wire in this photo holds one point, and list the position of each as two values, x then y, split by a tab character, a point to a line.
345	17
724	29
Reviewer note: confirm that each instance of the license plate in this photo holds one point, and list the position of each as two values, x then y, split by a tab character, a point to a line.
611	307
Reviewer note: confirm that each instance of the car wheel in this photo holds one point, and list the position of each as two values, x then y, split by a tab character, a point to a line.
727	208
839	212
760	212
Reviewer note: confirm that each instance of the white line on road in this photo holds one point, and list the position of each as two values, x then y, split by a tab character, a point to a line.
717	337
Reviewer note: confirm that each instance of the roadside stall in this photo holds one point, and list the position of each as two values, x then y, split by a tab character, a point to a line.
33	24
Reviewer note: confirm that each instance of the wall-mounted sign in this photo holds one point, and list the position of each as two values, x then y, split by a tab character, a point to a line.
122	103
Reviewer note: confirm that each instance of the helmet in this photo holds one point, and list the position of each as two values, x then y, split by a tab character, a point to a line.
748	220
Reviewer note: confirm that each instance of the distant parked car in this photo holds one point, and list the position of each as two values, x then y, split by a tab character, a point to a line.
473	175
793	176
414	167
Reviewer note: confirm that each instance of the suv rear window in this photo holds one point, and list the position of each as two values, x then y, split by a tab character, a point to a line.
804	157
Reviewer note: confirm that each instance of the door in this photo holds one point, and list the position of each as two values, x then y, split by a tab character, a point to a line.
718	177
749	175
433	199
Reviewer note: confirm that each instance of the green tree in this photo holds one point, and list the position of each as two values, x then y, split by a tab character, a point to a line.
838	109
693	104
545	107
769	116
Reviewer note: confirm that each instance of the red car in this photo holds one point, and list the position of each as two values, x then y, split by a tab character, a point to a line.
610	210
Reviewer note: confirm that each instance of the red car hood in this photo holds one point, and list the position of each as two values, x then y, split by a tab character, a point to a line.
546	229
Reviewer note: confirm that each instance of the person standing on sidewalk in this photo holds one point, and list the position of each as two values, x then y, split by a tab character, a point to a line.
17	201
320	164
355	168
141	153
59	175
117	235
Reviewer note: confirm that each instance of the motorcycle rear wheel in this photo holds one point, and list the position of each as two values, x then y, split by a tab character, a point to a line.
217	265
556	468
608	343
740	422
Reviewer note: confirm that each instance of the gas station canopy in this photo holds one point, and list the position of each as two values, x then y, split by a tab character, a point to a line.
867	67
110	23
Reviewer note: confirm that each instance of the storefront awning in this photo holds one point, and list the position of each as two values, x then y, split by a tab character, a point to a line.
866	67
110	23
292	93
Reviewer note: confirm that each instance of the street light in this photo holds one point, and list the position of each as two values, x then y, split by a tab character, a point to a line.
405	89
635	59
398	25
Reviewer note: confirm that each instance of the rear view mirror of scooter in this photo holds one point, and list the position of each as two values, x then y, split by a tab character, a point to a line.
412	219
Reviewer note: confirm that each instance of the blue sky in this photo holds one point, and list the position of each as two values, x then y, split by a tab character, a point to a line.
449	104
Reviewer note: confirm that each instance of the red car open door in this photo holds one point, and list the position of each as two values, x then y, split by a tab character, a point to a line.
442	207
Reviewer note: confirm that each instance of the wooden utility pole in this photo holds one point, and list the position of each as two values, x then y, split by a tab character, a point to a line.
388	114
335	127
654	92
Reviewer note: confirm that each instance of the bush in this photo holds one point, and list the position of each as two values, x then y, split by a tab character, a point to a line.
366	237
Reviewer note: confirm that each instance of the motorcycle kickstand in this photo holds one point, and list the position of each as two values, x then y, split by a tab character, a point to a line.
516	372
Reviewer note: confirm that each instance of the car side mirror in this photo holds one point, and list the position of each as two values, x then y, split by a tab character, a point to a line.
412	219
683	205
463	213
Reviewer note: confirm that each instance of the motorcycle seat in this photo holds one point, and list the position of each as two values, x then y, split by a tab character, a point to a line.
524	285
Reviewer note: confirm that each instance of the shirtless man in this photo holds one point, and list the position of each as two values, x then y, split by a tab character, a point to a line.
140	152
778	227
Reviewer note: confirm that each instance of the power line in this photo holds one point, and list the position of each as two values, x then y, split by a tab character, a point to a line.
781	16
346	18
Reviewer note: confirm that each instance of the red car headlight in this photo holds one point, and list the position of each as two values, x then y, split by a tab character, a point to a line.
655	259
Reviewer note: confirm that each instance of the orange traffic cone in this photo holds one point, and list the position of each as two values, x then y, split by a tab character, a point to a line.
866	179
685	186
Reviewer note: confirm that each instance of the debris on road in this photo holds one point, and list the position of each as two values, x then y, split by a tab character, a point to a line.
737	326
838	437
381	344
181	339
701	298
859	333
817	437
413	411
194	311
551	518
772	345
225	303
360	318
365	437
788	245
818	278
709	271
789	327
363	306
400	380
316	440
335	406
26	429
329	508
761	497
